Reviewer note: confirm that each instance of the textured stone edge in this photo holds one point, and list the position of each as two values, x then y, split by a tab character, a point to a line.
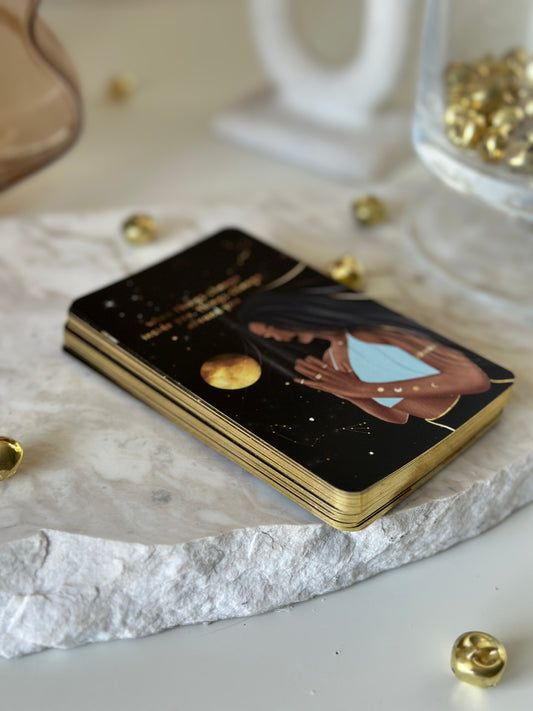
62	590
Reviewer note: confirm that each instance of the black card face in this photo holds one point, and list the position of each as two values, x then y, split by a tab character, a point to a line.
343	386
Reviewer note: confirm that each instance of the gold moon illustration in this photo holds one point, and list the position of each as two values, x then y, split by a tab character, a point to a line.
231	371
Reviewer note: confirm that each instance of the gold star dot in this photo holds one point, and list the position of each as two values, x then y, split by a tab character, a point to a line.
381	390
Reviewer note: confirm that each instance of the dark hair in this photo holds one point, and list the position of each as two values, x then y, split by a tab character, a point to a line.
329	308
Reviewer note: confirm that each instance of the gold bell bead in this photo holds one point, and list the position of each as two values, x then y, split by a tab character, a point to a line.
527	106
139	229
528	72
455	113
519	156
485	66
485	99
11	454
507	118
369	210
122	86
523	131
493	145
348	271
460	94
467	132
459	73
510	95
523	93
516	58
478	658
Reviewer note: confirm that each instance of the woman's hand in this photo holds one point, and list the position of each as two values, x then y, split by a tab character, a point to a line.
321	376
457	375
336	355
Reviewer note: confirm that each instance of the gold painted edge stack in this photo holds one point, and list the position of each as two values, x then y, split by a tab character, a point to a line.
347	511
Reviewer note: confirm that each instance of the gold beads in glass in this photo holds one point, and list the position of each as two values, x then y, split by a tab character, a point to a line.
489	106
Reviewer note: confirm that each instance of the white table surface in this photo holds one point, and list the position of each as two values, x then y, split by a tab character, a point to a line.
382	644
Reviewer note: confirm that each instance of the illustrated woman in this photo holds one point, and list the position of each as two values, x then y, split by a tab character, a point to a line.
373	358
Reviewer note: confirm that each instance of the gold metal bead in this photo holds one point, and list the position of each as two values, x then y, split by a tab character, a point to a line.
11	454
485	66
492	147
516	57
467	132
122	86
139	229
523	131
455	114
459	73
519	156
507	118
478	658
486	99
460	94
528	72
369	210
348	271
510	95
527	106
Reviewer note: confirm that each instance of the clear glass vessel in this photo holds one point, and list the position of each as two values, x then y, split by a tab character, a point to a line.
473	123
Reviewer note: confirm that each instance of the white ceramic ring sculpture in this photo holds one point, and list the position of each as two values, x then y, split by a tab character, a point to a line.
346	95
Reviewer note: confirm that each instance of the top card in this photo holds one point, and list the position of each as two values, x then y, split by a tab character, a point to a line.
345	387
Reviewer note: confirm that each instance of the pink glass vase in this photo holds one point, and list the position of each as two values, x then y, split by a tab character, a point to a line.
40	103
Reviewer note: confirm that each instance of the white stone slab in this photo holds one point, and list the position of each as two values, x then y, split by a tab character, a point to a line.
120	525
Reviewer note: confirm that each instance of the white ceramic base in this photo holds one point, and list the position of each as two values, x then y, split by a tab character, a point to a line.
371	147
120	525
